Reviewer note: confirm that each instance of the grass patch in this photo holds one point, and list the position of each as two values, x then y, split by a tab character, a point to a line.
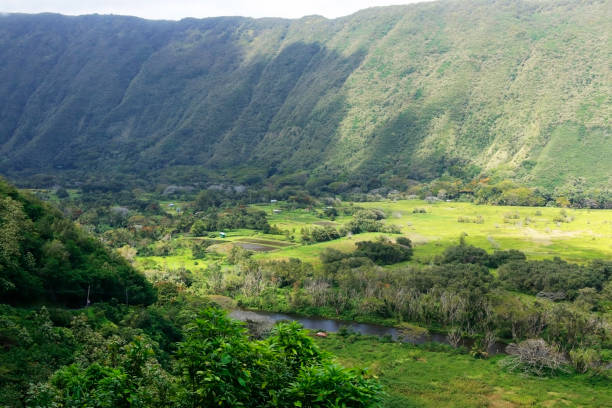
415	377
532	230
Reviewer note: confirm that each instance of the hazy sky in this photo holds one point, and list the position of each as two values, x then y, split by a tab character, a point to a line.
177	9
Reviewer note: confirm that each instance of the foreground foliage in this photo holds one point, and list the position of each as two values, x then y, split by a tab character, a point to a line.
215	364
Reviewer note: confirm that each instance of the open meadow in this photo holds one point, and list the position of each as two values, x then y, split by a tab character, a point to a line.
574	235
578	236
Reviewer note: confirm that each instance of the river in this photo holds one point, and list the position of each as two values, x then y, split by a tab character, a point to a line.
333	326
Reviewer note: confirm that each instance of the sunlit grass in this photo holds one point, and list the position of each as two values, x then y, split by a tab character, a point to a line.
587	236
415	377
529	229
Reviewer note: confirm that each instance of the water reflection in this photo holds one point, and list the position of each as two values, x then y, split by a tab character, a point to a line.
333	326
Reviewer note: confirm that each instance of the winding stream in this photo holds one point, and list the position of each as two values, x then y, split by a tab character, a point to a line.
333	326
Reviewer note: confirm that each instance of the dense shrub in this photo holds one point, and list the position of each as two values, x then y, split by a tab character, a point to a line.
370	214
341	387
359	225
218	363
499	258
404	241
465	254
370	220
554	276
287	272
334	260
471	279
321	234
383	252
470	254
584	360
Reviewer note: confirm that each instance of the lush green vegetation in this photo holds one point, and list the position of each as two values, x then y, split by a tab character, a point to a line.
563	278
503	89
411	264
435	376
181	351
381	252
44	257
442	168
534	231
185	353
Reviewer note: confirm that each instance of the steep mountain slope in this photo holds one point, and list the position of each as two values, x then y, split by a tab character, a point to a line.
518	88
45	258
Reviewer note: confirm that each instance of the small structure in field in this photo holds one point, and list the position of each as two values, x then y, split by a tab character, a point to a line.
222	234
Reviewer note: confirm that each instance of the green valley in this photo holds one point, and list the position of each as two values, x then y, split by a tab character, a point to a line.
407	206
471	274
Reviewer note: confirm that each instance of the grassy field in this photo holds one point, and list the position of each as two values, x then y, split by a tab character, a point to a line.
181	259
415	377
587	235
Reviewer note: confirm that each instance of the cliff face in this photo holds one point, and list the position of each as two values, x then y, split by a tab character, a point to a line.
520	88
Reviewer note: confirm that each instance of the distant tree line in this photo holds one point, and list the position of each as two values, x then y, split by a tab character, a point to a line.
233	218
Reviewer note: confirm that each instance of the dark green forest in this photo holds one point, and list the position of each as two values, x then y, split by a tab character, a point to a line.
46	258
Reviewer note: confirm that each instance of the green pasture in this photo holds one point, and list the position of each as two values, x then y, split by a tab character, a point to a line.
587	235
181	259
412	376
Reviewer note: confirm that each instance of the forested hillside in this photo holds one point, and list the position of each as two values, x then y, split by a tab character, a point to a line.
46	258
517	89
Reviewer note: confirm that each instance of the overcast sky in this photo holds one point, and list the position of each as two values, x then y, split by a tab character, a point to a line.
177	9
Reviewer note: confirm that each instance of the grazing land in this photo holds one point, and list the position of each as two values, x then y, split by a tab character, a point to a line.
532	230
418	376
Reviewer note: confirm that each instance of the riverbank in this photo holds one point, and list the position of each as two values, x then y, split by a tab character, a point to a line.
425	377
404	335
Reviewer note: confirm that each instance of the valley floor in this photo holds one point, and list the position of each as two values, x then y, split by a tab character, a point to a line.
581	236
416	377
538	231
